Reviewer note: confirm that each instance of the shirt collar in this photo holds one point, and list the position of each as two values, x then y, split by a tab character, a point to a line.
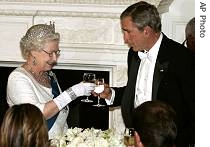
152	53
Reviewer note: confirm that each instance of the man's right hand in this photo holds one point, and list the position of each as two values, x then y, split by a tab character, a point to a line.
106	94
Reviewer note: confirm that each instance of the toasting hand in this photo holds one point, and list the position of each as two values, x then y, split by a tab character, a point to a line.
106	94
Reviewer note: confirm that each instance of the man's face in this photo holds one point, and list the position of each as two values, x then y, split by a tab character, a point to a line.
132	36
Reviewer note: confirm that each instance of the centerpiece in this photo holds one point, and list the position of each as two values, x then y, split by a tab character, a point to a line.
90	137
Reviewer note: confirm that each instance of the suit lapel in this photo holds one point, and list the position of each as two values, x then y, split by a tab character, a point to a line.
159	72
127	104
132	76
161	66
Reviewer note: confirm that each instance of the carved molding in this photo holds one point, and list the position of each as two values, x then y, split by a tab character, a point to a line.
103	2
17	12
74	8
58	14
164	6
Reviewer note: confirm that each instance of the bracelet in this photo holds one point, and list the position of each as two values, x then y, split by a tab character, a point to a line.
71	93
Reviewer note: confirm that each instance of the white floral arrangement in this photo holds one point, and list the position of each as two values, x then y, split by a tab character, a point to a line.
78	137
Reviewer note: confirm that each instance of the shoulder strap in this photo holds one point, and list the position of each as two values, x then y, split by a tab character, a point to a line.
55	92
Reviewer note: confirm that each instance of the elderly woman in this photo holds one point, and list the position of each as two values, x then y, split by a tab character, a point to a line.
35	83
19	129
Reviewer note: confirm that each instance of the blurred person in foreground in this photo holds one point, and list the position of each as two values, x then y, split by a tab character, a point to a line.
35	83
158	69
155	125
24	126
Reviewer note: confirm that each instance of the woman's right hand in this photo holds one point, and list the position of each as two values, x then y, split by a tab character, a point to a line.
72	93
83	88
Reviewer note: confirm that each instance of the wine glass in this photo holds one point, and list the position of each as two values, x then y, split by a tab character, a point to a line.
88	77
129	137
54	143
99	89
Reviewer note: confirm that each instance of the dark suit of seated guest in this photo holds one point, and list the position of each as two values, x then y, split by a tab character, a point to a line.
155	125
24	126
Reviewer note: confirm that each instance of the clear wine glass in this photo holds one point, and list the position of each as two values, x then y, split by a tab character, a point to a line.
88	77
129	137
99	89
54	143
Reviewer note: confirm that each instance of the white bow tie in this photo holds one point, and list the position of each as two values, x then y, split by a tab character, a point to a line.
145	54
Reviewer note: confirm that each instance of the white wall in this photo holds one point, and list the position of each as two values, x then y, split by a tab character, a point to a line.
174	21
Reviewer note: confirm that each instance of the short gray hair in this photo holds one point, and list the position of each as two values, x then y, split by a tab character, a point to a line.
36	37
143	14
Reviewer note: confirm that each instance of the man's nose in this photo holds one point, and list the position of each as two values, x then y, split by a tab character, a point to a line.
126	38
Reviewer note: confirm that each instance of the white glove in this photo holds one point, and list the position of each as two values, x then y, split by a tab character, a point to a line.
72	93
82	89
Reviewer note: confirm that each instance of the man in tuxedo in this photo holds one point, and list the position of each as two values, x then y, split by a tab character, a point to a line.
158	69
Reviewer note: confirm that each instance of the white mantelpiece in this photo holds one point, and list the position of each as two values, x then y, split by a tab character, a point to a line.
90	31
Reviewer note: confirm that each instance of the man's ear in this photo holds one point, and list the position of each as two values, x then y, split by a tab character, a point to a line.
145	30
137	139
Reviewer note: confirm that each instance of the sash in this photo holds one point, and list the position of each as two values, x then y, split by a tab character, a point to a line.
55	92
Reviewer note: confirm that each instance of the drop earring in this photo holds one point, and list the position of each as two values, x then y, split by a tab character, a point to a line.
34	61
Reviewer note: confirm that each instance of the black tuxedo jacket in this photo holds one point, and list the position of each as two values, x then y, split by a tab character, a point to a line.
173	83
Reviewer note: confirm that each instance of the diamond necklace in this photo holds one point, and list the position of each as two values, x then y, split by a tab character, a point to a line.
41	77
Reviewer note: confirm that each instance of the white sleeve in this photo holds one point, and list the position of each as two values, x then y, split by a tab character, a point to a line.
20	89
111	100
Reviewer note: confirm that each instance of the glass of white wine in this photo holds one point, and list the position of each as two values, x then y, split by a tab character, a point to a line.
129	137
54	143
90	78
99	89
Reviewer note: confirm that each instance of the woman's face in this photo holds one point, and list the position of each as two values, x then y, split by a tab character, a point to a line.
47	57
